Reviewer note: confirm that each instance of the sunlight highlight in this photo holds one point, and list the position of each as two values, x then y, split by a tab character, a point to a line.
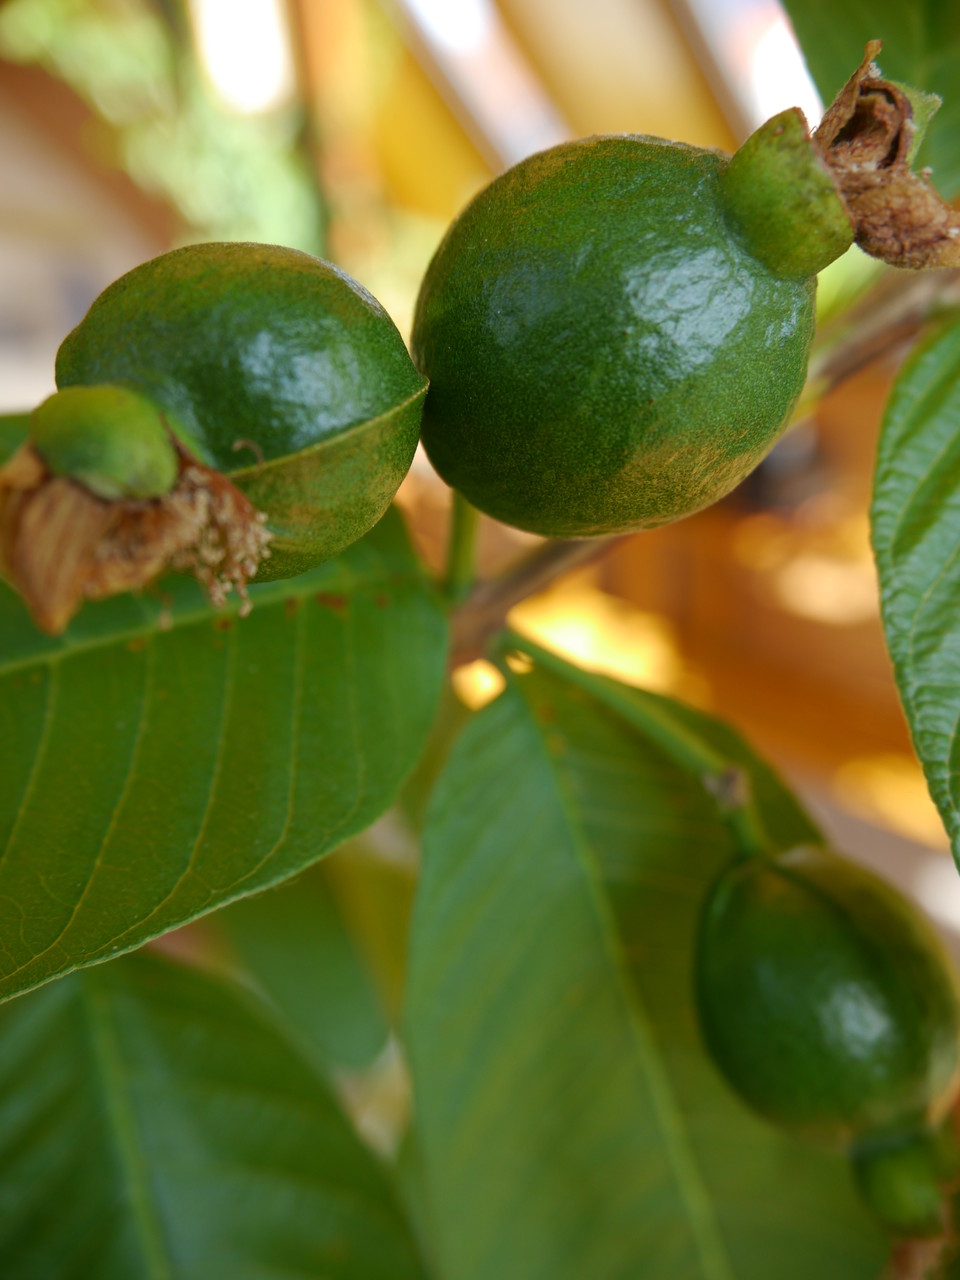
459	26
609	635
890	789
477	683
245	49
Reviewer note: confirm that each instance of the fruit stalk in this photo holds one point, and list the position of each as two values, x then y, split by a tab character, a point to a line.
461	548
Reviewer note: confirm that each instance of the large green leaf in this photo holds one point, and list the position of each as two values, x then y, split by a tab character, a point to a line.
155	1122
298	946
161	759
921	47
916	539
569	1123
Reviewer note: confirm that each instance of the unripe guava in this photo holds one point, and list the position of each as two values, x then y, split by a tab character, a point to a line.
616	330
279	370
607	349
830	1006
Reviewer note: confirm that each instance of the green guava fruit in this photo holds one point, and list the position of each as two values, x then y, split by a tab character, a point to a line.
275	368
604	351
831	1007
616	330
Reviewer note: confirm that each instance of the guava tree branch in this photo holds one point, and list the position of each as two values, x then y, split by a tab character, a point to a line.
484	610
914	1260
890	314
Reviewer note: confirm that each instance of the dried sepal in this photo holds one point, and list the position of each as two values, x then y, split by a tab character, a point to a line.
60	544
867	138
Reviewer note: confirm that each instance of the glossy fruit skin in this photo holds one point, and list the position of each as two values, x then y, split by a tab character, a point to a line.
826	1001
281	371
604	352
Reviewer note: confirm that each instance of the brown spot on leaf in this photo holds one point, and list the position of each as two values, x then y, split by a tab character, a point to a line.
335	602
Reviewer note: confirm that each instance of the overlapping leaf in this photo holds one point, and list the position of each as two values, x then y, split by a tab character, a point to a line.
161	759
921	47
157	1124
916	537
569	1123
304	946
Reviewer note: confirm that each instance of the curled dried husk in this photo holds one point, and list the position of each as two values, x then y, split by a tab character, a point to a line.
868	138
60	544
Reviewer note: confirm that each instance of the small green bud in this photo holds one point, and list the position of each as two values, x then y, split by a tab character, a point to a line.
114	442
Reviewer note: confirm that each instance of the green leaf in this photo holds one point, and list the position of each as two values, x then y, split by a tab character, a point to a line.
921	48
568	1120
916	536
374	888
161	759
296	944
155	1123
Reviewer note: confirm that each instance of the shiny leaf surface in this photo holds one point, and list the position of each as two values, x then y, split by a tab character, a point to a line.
569	1122
161	759
157	1124
916	535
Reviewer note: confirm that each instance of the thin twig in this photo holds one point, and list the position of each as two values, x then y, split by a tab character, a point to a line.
461	548
892	313
483	612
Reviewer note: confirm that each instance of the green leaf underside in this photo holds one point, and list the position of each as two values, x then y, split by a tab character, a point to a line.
569	1123
156	1123
296	944
921	48
916	538
161	759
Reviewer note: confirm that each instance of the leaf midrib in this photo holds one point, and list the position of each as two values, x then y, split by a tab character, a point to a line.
122	1124
713	1253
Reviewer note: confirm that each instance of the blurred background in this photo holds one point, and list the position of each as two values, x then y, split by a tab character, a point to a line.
356	129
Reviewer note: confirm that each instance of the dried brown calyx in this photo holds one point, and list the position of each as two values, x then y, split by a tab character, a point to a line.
61	545
867	138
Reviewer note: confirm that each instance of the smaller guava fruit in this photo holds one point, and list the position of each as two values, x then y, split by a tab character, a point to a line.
278	370
181	368
831	1007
